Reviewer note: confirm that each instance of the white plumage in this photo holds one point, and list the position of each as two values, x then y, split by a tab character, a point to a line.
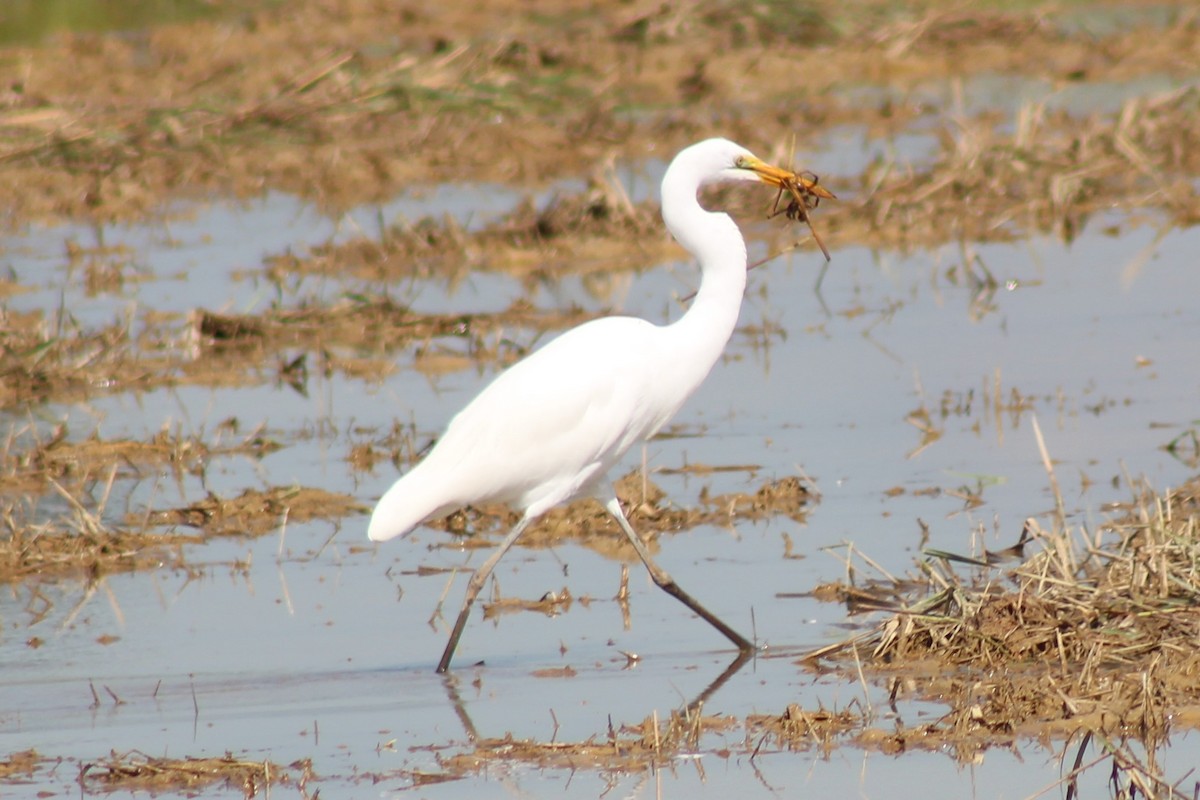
551	426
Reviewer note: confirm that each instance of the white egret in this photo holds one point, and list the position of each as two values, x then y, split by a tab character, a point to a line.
551	426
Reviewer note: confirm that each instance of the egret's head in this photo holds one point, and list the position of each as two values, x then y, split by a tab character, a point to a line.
722	161
749	167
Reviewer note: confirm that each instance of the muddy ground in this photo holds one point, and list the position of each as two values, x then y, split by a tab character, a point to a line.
349	102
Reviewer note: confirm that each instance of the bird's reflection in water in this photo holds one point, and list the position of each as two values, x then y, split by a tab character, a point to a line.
451	683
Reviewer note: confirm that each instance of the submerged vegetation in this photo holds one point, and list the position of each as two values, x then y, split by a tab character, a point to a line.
1080	638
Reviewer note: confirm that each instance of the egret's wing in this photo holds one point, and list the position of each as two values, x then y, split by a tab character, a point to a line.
556	419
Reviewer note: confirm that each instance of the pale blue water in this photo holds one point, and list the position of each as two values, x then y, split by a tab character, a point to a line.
327	650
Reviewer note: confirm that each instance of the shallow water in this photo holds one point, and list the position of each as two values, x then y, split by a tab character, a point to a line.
314	644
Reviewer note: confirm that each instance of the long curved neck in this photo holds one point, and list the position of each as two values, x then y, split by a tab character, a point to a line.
714	239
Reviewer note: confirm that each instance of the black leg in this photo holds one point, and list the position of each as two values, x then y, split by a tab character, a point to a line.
665	582
477	580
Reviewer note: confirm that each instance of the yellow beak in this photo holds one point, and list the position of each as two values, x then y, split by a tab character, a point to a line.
783	178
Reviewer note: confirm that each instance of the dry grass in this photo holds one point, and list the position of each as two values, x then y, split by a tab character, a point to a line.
1087	644
1050	174
254	513
648	508
138	772
629	748
55	507
1110	623
135	772
1092	635
19	766
44	358
350	104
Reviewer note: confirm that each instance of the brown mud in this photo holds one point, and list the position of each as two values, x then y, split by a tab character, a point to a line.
353	102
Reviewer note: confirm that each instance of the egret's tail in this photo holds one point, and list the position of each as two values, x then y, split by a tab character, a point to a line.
402	507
